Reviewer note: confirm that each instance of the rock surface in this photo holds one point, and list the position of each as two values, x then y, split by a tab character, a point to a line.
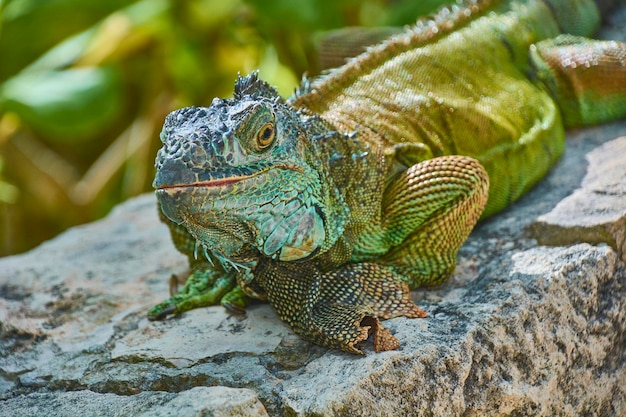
520	329
596	212
198	401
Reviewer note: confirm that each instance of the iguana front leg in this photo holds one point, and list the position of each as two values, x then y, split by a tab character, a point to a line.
206	285
340	308
429	211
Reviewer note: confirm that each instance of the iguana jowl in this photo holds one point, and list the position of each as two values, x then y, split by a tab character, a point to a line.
365	183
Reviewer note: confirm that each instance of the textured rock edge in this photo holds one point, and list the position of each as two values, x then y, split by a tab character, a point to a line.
595	212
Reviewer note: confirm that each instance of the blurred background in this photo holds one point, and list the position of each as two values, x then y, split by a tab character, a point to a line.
85	87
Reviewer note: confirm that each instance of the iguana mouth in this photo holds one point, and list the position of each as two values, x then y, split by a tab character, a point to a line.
223	182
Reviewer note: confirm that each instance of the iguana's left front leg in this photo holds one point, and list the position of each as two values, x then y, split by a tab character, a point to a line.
429	211
340	308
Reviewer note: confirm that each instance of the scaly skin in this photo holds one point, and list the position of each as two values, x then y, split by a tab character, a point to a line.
333	204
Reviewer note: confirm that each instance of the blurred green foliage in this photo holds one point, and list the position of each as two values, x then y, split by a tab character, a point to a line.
85	86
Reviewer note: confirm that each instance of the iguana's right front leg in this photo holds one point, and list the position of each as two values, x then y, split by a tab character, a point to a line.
204	287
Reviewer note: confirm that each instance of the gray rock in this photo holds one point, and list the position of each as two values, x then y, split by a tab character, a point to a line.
596	212
196	402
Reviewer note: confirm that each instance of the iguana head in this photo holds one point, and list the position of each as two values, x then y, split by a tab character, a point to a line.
241	177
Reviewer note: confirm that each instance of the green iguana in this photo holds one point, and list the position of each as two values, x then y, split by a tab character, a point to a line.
336	202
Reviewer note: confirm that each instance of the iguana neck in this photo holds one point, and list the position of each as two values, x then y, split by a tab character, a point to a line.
353	166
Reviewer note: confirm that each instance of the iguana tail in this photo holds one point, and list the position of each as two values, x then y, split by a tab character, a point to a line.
587	78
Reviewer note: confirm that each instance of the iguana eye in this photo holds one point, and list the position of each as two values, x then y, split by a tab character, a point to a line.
256	128
265	135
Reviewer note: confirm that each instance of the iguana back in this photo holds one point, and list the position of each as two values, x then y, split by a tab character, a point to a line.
460	83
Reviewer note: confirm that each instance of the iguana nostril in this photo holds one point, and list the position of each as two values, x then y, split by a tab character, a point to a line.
198	154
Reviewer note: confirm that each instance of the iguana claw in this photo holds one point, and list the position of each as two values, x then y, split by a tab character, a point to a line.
157	313
235	301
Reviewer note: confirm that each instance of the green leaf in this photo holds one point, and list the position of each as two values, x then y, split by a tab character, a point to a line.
32	27
8	192
67	105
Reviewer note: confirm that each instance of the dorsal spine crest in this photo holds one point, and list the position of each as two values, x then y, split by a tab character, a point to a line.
251	86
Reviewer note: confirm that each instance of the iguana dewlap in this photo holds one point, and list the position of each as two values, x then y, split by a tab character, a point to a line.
333	204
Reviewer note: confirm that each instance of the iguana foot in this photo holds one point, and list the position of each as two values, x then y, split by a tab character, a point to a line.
345	326
381	337
203	288
235	301
342	308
